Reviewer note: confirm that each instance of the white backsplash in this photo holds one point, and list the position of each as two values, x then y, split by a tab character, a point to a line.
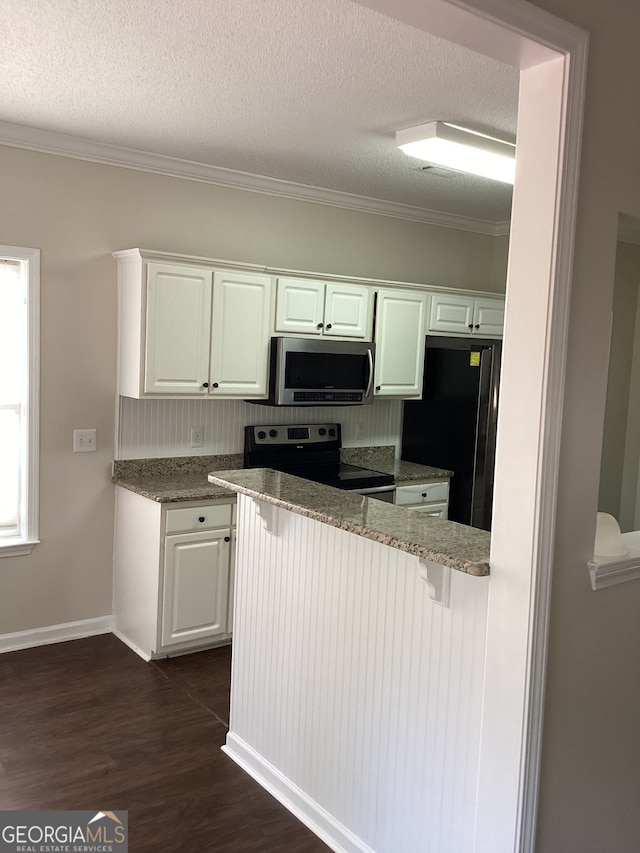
157	428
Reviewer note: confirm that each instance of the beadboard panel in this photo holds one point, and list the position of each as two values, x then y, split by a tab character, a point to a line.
359	690
159	428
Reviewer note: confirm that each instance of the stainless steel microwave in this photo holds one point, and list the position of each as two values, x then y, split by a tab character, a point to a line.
322	372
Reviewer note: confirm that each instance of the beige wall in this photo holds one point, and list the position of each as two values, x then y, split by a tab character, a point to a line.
77	213
590	784
625	304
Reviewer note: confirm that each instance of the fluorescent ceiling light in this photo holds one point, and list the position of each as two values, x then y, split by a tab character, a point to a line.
457	148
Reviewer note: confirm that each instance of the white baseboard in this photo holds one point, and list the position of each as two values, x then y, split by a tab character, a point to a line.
319	821
55	634
131	644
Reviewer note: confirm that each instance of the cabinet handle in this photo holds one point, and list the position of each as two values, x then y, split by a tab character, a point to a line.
227	539
214	385
424	494
378	387
201	519
329	325
320	325
477	326
471	325
205	384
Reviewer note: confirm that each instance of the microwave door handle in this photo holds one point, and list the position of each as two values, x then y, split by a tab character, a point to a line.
367	393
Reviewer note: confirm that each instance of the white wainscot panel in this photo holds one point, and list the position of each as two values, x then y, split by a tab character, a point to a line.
162	428
355	698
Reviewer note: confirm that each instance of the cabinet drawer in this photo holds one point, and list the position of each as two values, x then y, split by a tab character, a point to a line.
437	510
187	519
423	493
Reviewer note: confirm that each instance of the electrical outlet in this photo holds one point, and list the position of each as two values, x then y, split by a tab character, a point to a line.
197	436
84	440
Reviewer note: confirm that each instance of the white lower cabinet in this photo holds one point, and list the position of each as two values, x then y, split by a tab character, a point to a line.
431	497
195	586
173	574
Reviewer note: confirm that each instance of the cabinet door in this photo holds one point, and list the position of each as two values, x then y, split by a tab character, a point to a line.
400	333
452	314
240	334
299	306
347	312
178	329
488	318
195	586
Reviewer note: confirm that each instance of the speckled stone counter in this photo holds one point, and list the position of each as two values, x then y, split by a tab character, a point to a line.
445	542
174	479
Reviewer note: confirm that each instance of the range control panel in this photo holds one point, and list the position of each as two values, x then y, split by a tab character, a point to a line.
281	435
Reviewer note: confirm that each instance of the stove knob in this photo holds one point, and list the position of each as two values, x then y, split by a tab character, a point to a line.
273	433
322	431
262	434
332	431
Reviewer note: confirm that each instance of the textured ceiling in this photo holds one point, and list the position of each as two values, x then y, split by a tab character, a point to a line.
307	91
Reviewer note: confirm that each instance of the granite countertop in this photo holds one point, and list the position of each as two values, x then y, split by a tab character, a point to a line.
184	478
174	479
448	543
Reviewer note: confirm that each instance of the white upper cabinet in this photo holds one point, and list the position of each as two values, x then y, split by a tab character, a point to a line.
178	329
488	317
240	334
307	307
454	314
401	319
191	331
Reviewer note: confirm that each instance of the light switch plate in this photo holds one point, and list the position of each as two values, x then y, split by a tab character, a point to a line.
84	440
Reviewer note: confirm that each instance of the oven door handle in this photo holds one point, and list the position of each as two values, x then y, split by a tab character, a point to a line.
367	393
375	490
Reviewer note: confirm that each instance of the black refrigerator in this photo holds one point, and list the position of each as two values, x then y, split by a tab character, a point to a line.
453	426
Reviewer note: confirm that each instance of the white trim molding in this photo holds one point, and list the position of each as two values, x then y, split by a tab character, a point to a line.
27	536
604	573
609	574
55	634
65	145
312	815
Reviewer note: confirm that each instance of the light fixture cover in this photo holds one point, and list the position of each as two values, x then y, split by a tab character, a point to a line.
458	148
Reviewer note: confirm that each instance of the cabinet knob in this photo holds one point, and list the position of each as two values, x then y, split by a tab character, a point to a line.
477	326
205	384
227	539
201	519
378	387
424	494
320	325
329	325
214	385
471	325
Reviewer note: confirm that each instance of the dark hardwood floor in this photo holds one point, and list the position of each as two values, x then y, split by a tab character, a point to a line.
88	725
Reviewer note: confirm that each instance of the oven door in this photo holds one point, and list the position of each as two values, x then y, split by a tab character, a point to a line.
380	493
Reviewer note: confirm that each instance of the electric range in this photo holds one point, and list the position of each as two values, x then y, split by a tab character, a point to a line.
312	451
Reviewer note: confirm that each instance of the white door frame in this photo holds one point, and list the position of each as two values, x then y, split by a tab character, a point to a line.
551	56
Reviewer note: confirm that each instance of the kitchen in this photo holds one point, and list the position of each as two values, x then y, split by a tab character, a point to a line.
67	580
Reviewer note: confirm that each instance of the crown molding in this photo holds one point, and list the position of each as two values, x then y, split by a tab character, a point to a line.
65	145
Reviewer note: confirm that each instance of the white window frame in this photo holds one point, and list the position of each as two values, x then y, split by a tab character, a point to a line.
27	537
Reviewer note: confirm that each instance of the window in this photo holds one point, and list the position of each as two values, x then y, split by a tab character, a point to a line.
19	374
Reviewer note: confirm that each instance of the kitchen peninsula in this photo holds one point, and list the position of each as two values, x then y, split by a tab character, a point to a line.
358	662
